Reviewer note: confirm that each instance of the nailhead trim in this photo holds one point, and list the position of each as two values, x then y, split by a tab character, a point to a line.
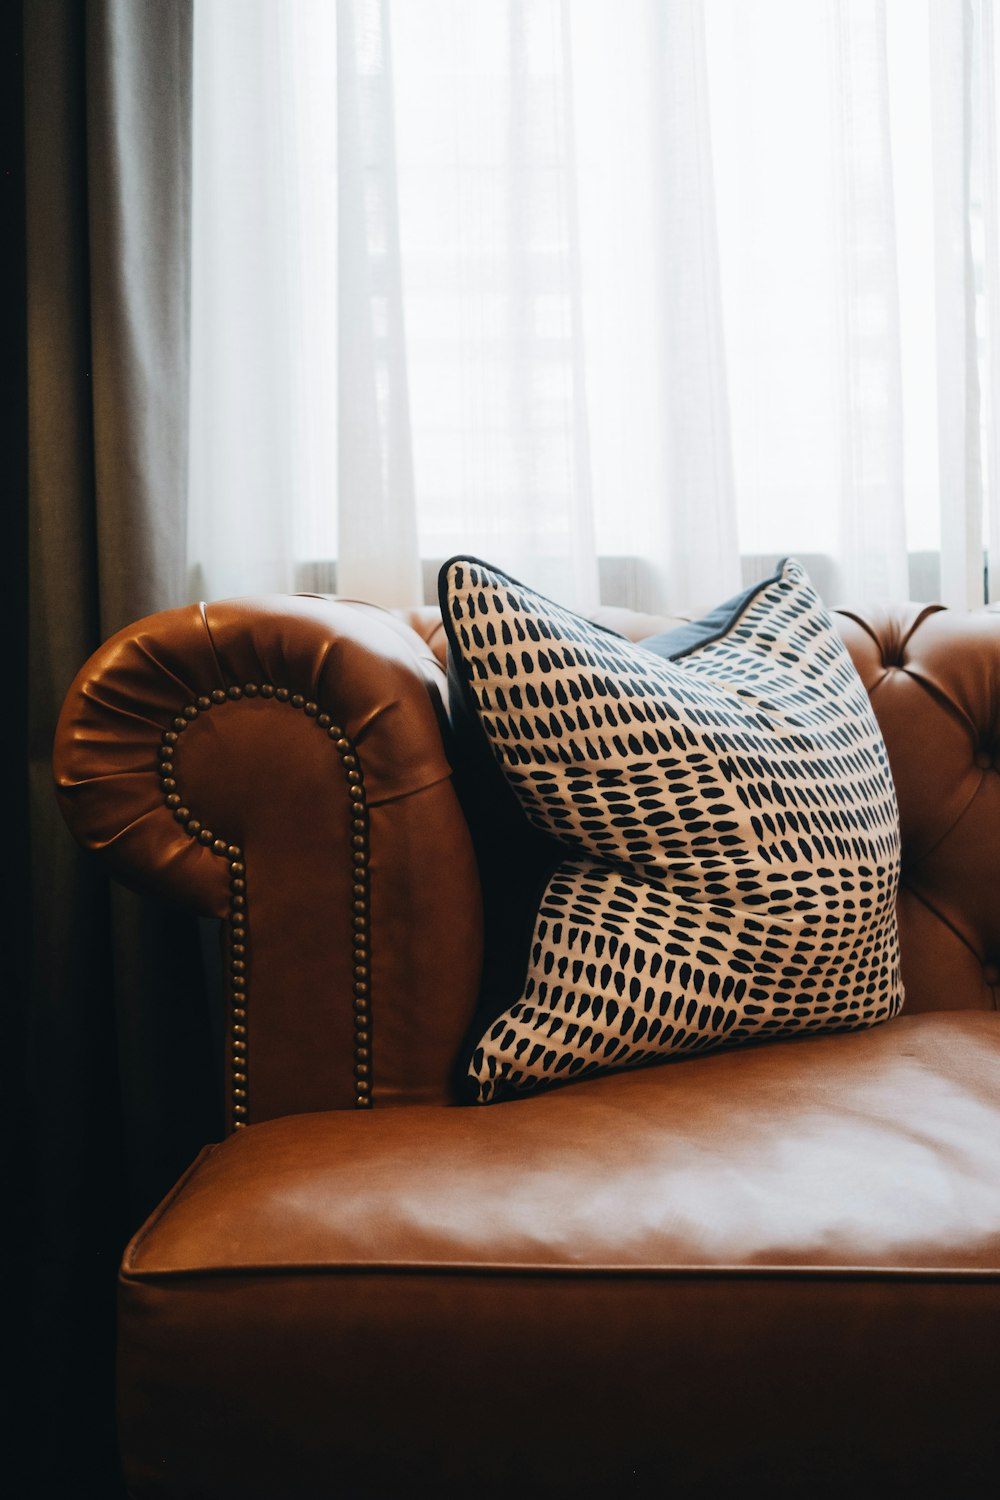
237	922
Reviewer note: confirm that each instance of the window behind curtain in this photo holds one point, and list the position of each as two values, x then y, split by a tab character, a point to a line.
630	299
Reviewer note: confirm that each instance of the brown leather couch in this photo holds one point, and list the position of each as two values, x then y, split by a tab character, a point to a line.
774	1270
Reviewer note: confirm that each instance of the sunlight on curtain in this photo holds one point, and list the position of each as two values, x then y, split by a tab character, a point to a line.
811	301
264	257
628	298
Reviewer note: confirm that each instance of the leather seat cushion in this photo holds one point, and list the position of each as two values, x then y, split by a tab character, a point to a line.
798	1241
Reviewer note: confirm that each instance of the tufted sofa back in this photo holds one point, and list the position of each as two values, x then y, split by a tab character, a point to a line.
933	676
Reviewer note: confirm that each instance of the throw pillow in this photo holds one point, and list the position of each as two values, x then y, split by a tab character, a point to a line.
723	807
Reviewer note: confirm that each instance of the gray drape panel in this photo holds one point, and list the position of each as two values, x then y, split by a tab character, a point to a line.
116	1043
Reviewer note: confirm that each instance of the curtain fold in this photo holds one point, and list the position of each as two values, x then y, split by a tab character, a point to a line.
700	545
377	557
960	474
115	1051
989	166
872	540
138	141
258	334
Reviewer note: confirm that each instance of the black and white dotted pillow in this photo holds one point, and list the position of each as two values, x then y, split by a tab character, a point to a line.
721	818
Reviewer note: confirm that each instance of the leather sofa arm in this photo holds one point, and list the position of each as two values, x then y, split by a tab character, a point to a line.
278	763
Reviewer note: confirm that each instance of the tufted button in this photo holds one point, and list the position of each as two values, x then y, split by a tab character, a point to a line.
892	645
984	760
991	974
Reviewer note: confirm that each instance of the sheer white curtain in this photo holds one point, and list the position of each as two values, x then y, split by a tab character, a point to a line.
630	298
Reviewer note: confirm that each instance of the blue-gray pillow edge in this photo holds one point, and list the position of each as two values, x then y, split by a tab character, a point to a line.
682	640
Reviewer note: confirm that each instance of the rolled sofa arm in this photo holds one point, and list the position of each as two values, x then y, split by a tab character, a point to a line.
278	763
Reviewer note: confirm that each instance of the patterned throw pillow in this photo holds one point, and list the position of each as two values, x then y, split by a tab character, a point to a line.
724	821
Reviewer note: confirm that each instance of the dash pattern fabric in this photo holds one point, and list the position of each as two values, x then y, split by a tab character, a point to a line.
728	816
